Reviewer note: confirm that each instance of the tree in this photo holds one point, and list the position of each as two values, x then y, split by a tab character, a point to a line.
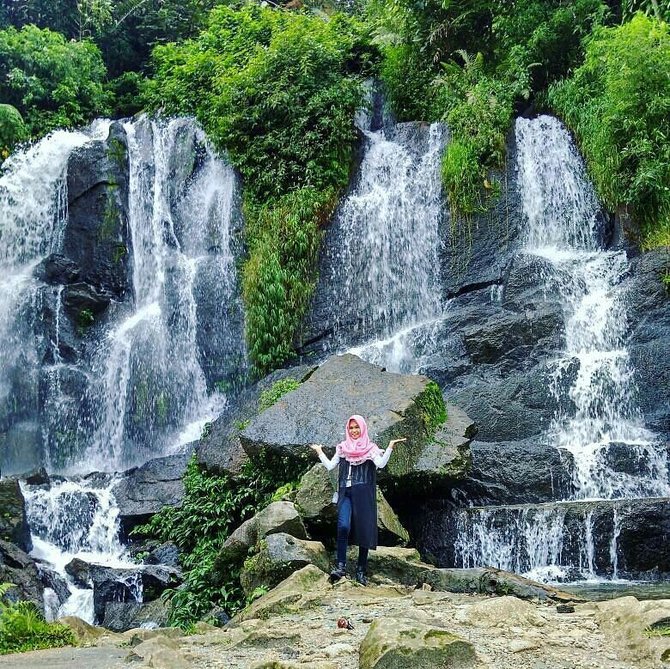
52	82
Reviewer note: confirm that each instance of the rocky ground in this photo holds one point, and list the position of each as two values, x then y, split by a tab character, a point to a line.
295	626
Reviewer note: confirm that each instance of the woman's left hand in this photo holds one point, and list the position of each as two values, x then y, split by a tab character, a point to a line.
393	442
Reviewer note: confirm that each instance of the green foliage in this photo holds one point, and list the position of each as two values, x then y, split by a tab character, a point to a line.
127	93
658	9
429	74
618	105
279	389
52	82
278	92
12	130
23	628
214	505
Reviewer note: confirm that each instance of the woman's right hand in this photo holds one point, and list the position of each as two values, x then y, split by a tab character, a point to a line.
316	447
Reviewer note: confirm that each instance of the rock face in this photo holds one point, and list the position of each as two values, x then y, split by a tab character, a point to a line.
397	644
145	490
220	449
13	523
316	412
19	568
649	341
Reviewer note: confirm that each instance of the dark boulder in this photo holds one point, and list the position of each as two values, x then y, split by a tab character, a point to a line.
19	568
57	269
166	554
124	616
394	405
13	522
648	301
96	238
80	572
220	449
147	489
83	303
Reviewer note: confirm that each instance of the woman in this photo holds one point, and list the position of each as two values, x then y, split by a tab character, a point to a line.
357	493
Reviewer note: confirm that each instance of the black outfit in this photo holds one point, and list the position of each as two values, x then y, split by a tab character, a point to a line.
357	509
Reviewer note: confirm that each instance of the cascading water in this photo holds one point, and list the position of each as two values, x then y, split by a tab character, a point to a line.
152	373
150	364
603	426
77	519
384	263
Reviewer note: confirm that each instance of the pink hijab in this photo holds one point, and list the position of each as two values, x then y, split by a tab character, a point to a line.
357	451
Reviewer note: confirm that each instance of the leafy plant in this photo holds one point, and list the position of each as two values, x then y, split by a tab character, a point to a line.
23	628
618	105
214	505
52	82
12	129
278	92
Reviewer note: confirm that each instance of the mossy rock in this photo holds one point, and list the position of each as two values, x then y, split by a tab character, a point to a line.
279	556
297	591
398	644
394	405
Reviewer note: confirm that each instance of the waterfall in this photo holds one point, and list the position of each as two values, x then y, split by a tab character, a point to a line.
144	381
613	455
149	364
561	210
145	378
383	264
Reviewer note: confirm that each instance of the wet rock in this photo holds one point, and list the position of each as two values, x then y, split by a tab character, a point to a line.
123	616
19	568
96	238
397	644
55	581
79	572
145	490
13	522
648	302
279	556
57	269
85	633
38	476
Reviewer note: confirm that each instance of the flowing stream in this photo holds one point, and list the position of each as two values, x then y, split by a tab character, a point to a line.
384	264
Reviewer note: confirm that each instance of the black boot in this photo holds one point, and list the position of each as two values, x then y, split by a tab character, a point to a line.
360	576
339	572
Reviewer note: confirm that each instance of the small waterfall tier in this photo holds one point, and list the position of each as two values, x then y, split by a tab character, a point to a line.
77	520
380	277
617	468
124	327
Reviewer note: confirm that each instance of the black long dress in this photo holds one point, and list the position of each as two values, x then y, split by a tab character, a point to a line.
363	531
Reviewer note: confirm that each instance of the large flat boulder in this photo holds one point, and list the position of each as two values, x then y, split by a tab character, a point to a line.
394	405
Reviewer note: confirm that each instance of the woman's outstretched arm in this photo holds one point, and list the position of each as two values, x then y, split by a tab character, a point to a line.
327	463
382	459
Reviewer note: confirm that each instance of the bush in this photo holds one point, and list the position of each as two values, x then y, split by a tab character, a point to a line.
52	82
12	130
214	505
23	628
276	392
618	105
